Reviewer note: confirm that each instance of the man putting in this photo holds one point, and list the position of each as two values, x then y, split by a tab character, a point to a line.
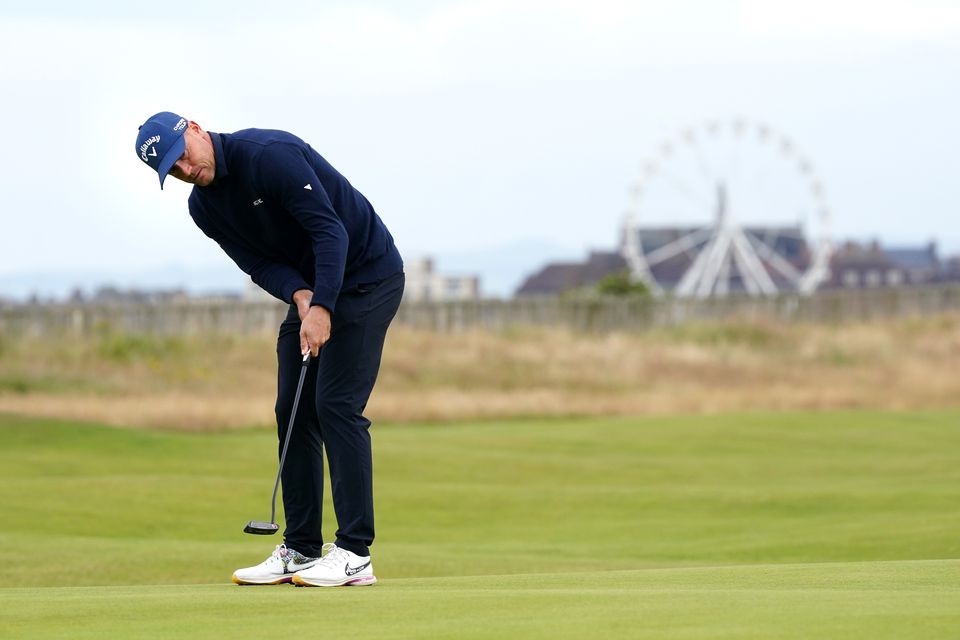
306	236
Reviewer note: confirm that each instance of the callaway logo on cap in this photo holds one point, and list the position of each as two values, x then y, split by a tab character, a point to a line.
160	142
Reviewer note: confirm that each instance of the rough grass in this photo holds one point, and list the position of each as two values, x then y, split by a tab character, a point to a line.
838	525
222	381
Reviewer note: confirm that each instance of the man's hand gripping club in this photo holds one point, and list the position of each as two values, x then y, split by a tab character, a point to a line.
314	323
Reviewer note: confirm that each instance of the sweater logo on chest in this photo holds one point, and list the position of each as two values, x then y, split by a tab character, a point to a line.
258	201
308	187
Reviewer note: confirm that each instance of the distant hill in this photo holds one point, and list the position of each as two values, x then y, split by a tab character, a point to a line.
501	269
58	284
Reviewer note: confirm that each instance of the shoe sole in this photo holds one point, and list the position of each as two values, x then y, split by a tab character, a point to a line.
241	581
366	581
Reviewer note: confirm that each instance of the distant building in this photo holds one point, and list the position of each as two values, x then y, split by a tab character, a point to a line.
253	293
114	295
423	283
950	270
869	265
919	264
858	266
563	276
852	264
788	242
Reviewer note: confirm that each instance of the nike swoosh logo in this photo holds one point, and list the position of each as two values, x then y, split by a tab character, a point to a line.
293	566
350	571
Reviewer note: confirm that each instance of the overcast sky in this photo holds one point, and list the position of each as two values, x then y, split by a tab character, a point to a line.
470	124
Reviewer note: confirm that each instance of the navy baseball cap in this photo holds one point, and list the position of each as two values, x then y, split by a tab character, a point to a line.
160	142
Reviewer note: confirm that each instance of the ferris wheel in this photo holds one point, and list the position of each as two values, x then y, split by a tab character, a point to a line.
724	207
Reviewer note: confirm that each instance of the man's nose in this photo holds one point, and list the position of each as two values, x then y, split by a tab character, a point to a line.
182	166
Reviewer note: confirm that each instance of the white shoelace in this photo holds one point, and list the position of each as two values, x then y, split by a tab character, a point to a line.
277	556
334	555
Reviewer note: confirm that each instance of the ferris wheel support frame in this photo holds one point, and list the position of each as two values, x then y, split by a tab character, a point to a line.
727	245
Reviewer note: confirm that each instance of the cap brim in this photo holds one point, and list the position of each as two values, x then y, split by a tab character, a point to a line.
173	154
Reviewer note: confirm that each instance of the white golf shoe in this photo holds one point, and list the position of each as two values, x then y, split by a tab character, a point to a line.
277	569
337	568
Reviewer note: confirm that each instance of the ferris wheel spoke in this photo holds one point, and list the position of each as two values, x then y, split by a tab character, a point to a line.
723	282
691	194
776	261
768	196
714	264
703	165
690	281
705	186
750	263
734	160
678	246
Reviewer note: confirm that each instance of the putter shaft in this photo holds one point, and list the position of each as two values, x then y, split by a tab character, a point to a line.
283	452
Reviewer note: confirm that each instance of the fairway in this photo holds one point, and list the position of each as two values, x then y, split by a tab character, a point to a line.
767	525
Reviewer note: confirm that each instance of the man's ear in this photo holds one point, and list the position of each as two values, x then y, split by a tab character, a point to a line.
193	125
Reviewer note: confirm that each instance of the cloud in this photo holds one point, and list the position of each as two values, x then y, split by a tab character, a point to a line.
877	18
469	123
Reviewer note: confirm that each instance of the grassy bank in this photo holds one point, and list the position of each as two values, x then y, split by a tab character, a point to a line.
222	381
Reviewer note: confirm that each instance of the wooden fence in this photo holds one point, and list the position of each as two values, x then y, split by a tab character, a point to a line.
598	315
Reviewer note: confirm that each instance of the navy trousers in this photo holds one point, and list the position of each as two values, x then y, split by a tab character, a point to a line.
330	416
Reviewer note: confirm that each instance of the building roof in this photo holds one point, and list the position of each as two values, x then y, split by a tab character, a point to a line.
563	276
917	264
914	257
789	242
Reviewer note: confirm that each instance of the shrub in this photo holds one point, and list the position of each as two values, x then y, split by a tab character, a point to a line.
622	284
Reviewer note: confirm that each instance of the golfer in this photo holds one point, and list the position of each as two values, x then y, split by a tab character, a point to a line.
306	236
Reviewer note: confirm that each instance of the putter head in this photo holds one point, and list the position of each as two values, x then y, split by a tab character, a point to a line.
261	528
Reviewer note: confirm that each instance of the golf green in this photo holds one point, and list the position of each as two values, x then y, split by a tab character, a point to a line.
859	600
795	525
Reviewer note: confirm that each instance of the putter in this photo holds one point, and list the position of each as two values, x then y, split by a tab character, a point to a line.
269	528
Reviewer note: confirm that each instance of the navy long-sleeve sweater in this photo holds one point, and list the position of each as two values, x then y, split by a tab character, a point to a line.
289	219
